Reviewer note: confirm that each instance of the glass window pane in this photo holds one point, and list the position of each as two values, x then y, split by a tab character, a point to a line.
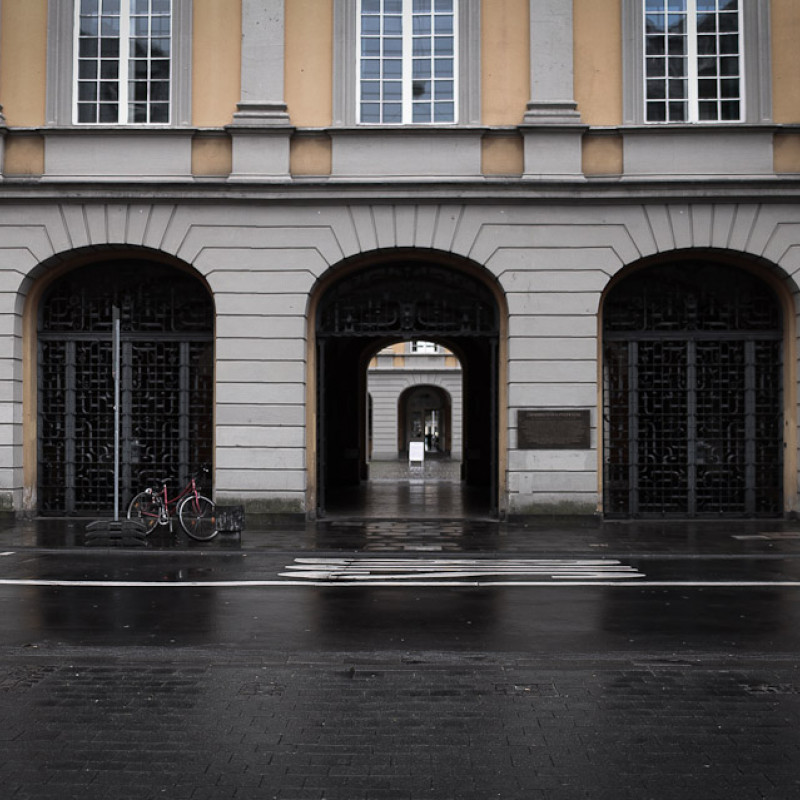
677	67
393	113
677	45
371	91
706	5
87	113
422	26
678	112
707	66
393	26
88	48
731	110
140	26
729	65
159	112
162	6
444	45
443	6
109	26
443	90
109	70
677	90
729	23
729	89
422	6
421	90
160	48
392	6
89	26
707	45
707	89
160	69
422	47
393	47
422	112
656	112
159	90
421	68
729	44
707	111
443	25
370	112
87	69
655	67
392	90
370	25
370	47
444	112
87	91
371	67
656	89
370	6
108	112
111	7
654	46
109	48
109	90
89	7
444	67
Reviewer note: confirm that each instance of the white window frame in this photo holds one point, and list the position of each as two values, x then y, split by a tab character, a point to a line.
61	74
346	61
755	75
407	67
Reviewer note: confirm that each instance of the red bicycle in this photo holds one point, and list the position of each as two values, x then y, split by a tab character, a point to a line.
195	512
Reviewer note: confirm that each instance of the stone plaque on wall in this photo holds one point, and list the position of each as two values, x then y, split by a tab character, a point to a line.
553	429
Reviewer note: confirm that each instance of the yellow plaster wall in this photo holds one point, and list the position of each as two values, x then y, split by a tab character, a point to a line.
23	61
598	60
602	155
216	61
311	155
212	156
502	154
505	70
308	75
786	153
24	155
785	20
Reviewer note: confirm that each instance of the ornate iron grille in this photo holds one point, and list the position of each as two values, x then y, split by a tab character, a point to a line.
693	406
402	299
166	381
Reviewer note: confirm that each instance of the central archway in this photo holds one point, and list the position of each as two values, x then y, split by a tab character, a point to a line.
412	296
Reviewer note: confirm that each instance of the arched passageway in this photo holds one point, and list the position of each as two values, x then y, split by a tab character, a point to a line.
424	414
166	382
400	300
693	382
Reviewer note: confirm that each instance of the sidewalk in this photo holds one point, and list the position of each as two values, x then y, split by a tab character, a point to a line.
534	536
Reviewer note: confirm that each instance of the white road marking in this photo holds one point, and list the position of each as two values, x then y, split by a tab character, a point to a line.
404	570
556	583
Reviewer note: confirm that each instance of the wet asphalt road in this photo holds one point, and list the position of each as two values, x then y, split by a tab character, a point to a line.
333	602
595	669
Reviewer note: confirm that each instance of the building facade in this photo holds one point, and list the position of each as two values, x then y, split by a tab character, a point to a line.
593	203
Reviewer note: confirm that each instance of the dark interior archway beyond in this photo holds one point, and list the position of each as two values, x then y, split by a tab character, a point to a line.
403	301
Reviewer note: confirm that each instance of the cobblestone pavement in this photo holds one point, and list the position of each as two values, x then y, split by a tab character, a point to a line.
138	725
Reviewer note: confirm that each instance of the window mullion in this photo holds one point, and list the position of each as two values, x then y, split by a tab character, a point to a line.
124	60
692	66
408	62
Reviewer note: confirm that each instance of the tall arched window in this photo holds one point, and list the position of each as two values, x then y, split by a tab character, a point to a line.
166	381
693	394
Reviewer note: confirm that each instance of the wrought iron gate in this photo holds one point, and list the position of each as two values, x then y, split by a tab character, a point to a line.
693	394
166	383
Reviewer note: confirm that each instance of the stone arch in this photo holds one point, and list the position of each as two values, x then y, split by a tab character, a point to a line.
385	296
698	381
167	323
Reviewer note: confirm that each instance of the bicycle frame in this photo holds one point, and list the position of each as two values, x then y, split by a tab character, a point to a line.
167	506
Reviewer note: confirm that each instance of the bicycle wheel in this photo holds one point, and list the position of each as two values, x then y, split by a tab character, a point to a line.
145	508
198	518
